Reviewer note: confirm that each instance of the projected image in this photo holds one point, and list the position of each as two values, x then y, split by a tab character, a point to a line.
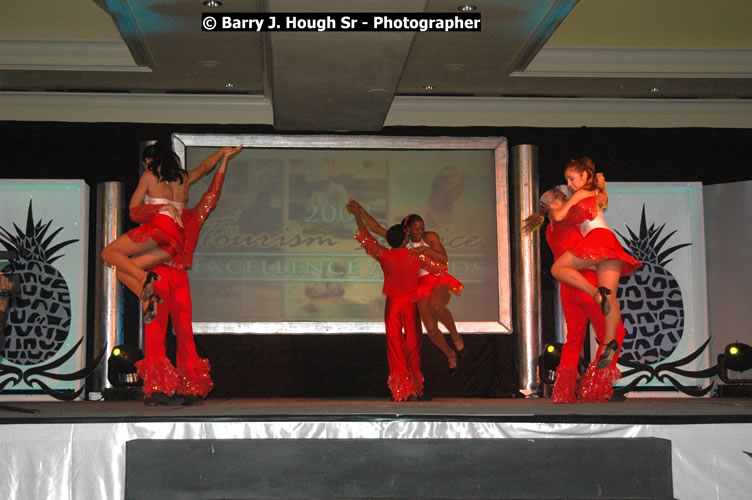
261	210
280	247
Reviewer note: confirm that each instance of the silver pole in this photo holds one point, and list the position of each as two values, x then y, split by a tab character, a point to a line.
108	300
559	319
527	320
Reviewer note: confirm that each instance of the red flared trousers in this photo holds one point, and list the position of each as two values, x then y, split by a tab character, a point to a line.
403	344
192	373
579	309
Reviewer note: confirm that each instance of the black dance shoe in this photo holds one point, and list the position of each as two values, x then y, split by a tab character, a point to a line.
150	312
453	369
604	361
191	400
459	350
162	399
148	289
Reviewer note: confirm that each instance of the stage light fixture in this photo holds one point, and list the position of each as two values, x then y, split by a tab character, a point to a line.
736	357
121	366
552	355
549	361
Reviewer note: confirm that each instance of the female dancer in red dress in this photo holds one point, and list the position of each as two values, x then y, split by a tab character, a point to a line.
161	193
190	379
600	248
434	291
579	309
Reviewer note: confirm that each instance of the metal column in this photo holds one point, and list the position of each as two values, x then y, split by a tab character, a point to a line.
108	300
526	272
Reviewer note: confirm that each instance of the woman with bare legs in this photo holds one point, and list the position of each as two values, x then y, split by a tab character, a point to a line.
600	249
162	193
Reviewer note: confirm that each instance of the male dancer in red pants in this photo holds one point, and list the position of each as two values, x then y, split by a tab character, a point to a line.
163	383
401	267
579	308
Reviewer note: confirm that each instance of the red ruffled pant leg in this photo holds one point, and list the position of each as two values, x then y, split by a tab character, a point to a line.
403	352
413	346
193	371
598	385
156	371
565	385
565	382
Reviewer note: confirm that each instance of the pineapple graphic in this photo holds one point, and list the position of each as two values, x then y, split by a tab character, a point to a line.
652	307
39	322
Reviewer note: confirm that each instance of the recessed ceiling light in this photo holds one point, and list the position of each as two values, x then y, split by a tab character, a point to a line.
209	64
454	67
428	87
377	91
655	90
466	8
213	3
229	85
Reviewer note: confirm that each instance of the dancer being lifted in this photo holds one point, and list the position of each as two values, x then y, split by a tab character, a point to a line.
434	291
159	198
579	309
598	248
189	381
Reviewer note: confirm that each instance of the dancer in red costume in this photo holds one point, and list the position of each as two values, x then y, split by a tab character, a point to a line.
159	198
599	247
579	309
400	267
191	379
434	292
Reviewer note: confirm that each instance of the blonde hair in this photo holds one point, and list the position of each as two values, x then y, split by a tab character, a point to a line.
536	220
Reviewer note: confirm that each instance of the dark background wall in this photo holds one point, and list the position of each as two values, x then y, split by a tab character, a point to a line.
351	365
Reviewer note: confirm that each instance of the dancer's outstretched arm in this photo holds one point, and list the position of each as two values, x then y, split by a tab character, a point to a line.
211	161
210	197
373	224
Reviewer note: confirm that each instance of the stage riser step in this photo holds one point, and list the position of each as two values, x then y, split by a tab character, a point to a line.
399	468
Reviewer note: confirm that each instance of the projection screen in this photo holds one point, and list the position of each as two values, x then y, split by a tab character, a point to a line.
277	255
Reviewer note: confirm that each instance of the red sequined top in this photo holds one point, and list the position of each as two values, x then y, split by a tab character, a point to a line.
564	234
400	265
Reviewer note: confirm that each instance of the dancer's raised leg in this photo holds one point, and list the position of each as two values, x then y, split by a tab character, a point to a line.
122	253
439	300
609	272
428	316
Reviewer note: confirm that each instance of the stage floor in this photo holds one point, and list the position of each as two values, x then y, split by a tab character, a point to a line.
83	445
634	410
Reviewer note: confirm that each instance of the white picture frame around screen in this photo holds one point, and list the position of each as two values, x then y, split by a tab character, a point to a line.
497	146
